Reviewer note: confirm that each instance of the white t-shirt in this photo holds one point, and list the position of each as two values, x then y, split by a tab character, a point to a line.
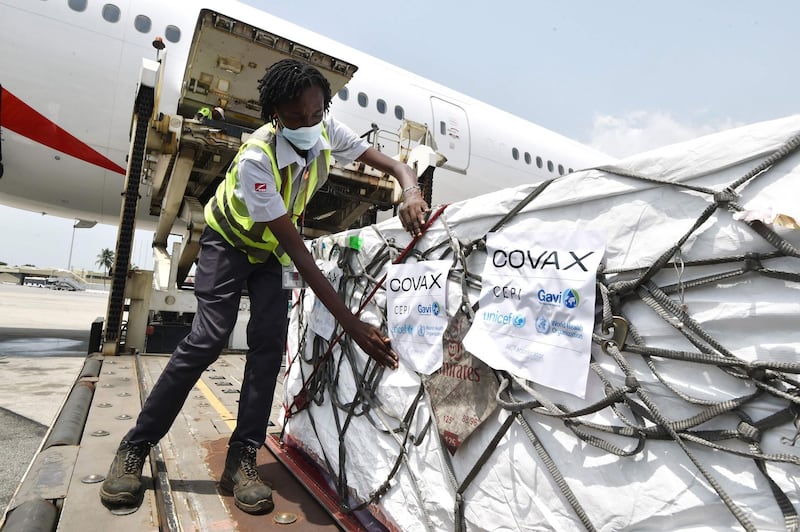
256	186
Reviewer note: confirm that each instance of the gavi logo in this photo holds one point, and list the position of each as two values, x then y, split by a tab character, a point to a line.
429	310
569	298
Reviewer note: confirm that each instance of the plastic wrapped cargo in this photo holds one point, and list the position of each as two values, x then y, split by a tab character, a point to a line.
654	389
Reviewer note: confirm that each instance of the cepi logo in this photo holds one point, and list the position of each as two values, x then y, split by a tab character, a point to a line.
542	325
569	297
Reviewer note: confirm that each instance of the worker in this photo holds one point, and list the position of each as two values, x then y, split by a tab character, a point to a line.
206	113
250	237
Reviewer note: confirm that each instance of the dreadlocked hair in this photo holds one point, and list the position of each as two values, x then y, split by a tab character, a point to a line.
285	81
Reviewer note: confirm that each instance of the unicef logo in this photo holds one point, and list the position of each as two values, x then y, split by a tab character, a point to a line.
519	321
402	329
435	309
542	325
570	297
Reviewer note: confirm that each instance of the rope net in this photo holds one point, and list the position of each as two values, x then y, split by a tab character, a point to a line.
690	416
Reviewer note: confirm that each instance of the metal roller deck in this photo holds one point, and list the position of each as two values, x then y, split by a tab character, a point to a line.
61	488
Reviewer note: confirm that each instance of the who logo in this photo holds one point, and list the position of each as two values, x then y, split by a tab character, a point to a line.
542	325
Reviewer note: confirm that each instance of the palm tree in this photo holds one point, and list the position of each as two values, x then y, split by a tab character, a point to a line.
106	260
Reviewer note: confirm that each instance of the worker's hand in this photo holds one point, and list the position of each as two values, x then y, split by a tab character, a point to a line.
374	344
413	211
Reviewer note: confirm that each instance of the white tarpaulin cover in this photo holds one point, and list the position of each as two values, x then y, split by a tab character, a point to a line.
690	417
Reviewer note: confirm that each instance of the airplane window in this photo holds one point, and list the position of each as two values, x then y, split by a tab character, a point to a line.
381	105
560	169
77	5
549	166
142	23
539	162
172	33
398	112
343	94
111	13
442	127
527	158
362	99
571	170
515	154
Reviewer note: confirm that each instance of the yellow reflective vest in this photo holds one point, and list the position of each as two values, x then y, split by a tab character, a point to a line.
228	215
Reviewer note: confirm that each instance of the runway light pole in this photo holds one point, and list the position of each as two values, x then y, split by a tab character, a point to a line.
79	224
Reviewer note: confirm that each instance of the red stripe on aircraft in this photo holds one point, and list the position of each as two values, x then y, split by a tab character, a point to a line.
21	118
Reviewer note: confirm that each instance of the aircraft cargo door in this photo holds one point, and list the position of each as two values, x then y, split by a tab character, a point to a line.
451	133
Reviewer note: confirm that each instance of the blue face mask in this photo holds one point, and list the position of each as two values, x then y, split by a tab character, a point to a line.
303	138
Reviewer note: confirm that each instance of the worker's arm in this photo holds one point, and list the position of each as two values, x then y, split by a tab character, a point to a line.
414	207
369	338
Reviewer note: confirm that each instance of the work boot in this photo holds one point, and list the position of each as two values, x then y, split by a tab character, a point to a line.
122	487
241	477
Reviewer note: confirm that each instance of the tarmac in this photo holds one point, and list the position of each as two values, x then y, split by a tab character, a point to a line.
44	339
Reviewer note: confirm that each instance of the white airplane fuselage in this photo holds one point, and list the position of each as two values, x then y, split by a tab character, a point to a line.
69	78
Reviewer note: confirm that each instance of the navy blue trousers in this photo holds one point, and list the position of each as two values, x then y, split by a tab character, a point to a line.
221	273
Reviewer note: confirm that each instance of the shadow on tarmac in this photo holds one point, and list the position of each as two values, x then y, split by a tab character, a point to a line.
20	437
43	342
19	440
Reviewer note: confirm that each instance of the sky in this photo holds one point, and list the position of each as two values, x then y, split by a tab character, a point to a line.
621	76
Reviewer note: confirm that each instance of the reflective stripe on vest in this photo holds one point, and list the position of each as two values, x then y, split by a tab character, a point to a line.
228	215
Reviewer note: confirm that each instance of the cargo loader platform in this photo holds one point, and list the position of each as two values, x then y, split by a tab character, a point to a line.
61	488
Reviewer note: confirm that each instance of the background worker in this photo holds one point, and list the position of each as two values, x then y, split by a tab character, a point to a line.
250	236
206	113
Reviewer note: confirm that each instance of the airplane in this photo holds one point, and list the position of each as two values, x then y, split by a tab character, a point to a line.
68	75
